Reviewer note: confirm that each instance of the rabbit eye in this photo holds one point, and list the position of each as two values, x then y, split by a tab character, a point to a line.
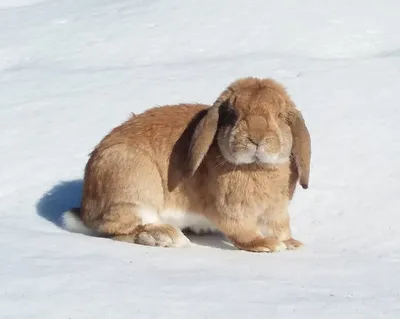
228	115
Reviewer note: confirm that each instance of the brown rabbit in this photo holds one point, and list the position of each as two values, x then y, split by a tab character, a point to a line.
230	167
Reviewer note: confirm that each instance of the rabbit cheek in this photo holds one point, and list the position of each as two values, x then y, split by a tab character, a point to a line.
236	151
234	145
287	141
276	150
224	139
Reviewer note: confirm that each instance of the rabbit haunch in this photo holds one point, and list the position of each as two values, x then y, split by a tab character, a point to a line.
232	166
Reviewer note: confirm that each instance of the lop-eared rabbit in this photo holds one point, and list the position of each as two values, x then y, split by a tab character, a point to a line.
230	167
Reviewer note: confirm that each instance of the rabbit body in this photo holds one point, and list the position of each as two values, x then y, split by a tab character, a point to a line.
231	167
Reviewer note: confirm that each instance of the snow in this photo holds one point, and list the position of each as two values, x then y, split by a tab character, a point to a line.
72	70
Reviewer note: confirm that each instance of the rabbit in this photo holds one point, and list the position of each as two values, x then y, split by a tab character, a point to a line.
231	167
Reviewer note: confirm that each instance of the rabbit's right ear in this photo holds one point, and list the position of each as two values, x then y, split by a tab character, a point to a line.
202	139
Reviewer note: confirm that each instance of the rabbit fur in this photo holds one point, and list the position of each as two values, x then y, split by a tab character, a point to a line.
230	167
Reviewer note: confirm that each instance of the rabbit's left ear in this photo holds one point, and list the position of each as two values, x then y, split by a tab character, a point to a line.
301	148
202	139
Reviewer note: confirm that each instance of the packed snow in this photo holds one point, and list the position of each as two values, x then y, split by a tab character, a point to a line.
72	70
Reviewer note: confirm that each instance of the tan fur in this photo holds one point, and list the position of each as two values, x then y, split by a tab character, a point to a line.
184	158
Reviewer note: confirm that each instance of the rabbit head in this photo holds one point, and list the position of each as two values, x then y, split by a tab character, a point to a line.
254	121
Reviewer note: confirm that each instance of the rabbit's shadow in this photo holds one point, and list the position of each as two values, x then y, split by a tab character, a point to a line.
67	194
59	199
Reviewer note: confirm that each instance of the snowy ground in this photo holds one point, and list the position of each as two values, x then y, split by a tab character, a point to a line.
72	70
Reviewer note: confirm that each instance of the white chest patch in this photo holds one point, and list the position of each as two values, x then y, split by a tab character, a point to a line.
179	219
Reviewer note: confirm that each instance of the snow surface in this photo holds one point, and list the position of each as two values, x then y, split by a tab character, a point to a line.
72	70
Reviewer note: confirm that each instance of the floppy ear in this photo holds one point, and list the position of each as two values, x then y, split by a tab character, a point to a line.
293	178
202	138
301	148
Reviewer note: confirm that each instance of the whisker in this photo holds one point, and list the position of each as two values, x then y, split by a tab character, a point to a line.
221	163
222	160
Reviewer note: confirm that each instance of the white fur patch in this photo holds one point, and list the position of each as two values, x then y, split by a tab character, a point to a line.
74	224
179	219
149	216
181	241
272	159
282	247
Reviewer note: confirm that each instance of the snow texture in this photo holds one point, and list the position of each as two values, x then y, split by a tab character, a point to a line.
72	70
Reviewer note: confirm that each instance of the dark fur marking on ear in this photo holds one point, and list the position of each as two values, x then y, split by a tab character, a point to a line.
228	115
